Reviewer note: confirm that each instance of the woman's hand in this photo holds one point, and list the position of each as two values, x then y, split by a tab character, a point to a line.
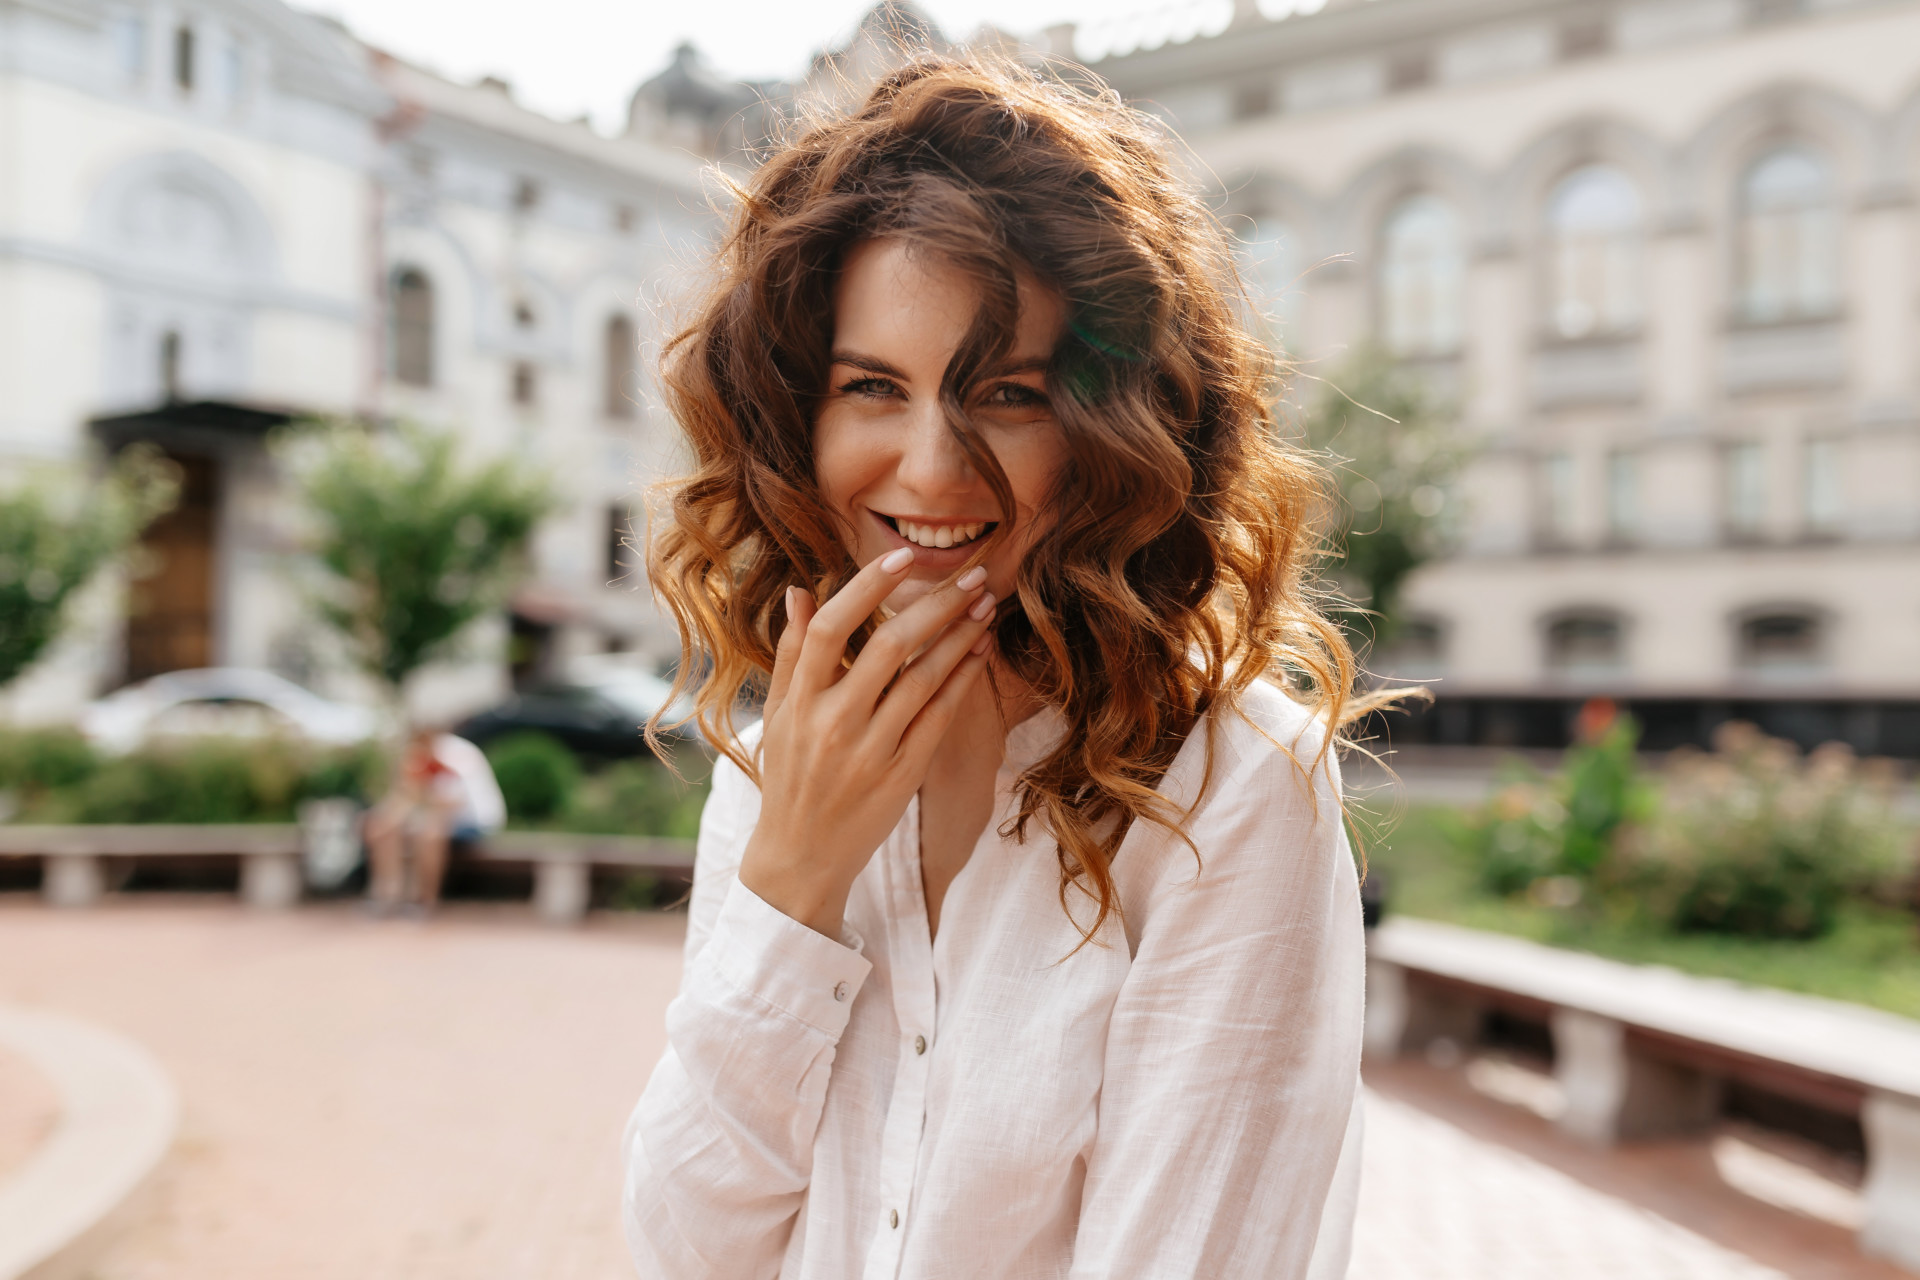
843	750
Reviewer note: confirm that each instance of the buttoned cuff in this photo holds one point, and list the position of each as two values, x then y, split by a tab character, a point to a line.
769	955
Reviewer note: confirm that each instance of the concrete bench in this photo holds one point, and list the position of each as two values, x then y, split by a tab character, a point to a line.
74	858
563	863
1641	1051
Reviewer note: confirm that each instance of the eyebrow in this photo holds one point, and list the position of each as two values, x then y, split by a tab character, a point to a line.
874	364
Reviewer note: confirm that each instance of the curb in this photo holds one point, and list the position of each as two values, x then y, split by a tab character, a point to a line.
119	1111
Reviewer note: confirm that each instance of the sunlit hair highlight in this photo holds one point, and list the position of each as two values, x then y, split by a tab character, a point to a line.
1177	565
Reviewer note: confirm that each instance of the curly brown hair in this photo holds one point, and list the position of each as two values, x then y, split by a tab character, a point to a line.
1176	566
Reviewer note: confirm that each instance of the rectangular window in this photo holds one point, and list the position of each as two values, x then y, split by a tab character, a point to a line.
1559	497
526	384
1746	491
1825	494
130	42
183	51
1623	497
233	76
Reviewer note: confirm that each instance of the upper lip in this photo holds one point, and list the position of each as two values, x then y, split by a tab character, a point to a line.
938	520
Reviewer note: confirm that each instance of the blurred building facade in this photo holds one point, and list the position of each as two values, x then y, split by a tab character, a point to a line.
217	217
1663	256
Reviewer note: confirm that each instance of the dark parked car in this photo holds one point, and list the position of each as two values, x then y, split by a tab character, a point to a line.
600	720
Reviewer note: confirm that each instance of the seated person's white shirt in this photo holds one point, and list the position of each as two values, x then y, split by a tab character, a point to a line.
471	791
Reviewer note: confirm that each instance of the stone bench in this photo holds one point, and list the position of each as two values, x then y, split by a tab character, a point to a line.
563	863
1641	1051
74	858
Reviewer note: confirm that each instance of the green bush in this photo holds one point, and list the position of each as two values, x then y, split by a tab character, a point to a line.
1568	826
57	777
1754	840
537	775
638	797
37	760
196	780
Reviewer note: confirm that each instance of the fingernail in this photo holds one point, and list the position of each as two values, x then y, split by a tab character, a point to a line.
787	604
980	645
897	559
972	578
981	607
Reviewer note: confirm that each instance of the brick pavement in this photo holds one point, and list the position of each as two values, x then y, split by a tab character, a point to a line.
372	1099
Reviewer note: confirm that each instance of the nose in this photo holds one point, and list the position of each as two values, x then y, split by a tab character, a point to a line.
932	461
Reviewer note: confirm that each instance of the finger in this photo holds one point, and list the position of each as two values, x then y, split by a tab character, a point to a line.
931	724
896	642
834	624
799	610
927	674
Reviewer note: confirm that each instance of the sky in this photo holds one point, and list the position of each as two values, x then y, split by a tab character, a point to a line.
569	58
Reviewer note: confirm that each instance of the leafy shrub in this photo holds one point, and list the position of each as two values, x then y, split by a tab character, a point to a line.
59	778
1755	841
36	760
1519	837
537	775
195	780
1569	825
638	797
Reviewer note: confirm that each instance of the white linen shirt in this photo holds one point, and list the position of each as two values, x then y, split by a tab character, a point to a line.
1169	1100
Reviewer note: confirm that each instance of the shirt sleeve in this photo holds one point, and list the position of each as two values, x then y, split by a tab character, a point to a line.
1233	1055
719	1151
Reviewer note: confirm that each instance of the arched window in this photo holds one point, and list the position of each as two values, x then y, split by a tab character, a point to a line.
1593	224
1270	256
1586	643
1781	642
1789	237
411	342
619	391
1422	278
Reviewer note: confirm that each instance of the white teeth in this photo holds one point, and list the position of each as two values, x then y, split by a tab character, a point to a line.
946	535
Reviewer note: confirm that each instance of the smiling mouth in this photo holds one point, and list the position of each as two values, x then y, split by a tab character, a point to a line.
926	533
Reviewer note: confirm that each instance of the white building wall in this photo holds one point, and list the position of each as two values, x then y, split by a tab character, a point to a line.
1682	97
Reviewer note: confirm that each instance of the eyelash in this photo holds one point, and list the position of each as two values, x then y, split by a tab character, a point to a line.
1023	397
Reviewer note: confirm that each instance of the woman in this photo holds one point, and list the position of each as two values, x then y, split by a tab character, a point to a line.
1025	938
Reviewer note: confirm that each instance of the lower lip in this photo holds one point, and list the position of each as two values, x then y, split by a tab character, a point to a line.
940	559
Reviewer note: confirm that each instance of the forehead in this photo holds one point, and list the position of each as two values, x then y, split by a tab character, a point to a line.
900	301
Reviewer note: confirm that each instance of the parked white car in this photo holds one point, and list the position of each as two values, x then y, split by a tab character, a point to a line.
237	701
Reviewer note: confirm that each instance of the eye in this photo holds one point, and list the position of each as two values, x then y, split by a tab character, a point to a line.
1015	395
870	388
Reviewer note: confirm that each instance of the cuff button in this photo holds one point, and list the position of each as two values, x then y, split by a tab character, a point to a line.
840	992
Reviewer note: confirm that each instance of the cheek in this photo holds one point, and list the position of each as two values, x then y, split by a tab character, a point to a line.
840	463
1033	461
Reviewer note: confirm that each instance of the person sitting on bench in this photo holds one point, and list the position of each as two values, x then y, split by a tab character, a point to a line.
443	791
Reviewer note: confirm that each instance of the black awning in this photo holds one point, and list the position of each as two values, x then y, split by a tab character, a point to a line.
204	424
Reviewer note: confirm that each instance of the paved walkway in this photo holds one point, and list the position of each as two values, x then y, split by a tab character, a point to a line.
369	1100
29	1108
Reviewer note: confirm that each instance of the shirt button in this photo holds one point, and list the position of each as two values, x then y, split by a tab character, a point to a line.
893	1218
919	1044
840	991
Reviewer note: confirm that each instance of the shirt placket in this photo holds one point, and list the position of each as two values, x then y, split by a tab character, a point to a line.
910	949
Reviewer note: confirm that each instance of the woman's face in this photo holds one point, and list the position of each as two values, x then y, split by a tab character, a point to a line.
884	456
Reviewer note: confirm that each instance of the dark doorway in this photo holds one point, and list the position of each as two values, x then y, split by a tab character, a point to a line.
170	599
530	650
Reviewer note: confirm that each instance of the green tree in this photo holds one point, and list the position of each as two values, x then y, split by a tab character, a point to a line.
56	533
1395	461
416	547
